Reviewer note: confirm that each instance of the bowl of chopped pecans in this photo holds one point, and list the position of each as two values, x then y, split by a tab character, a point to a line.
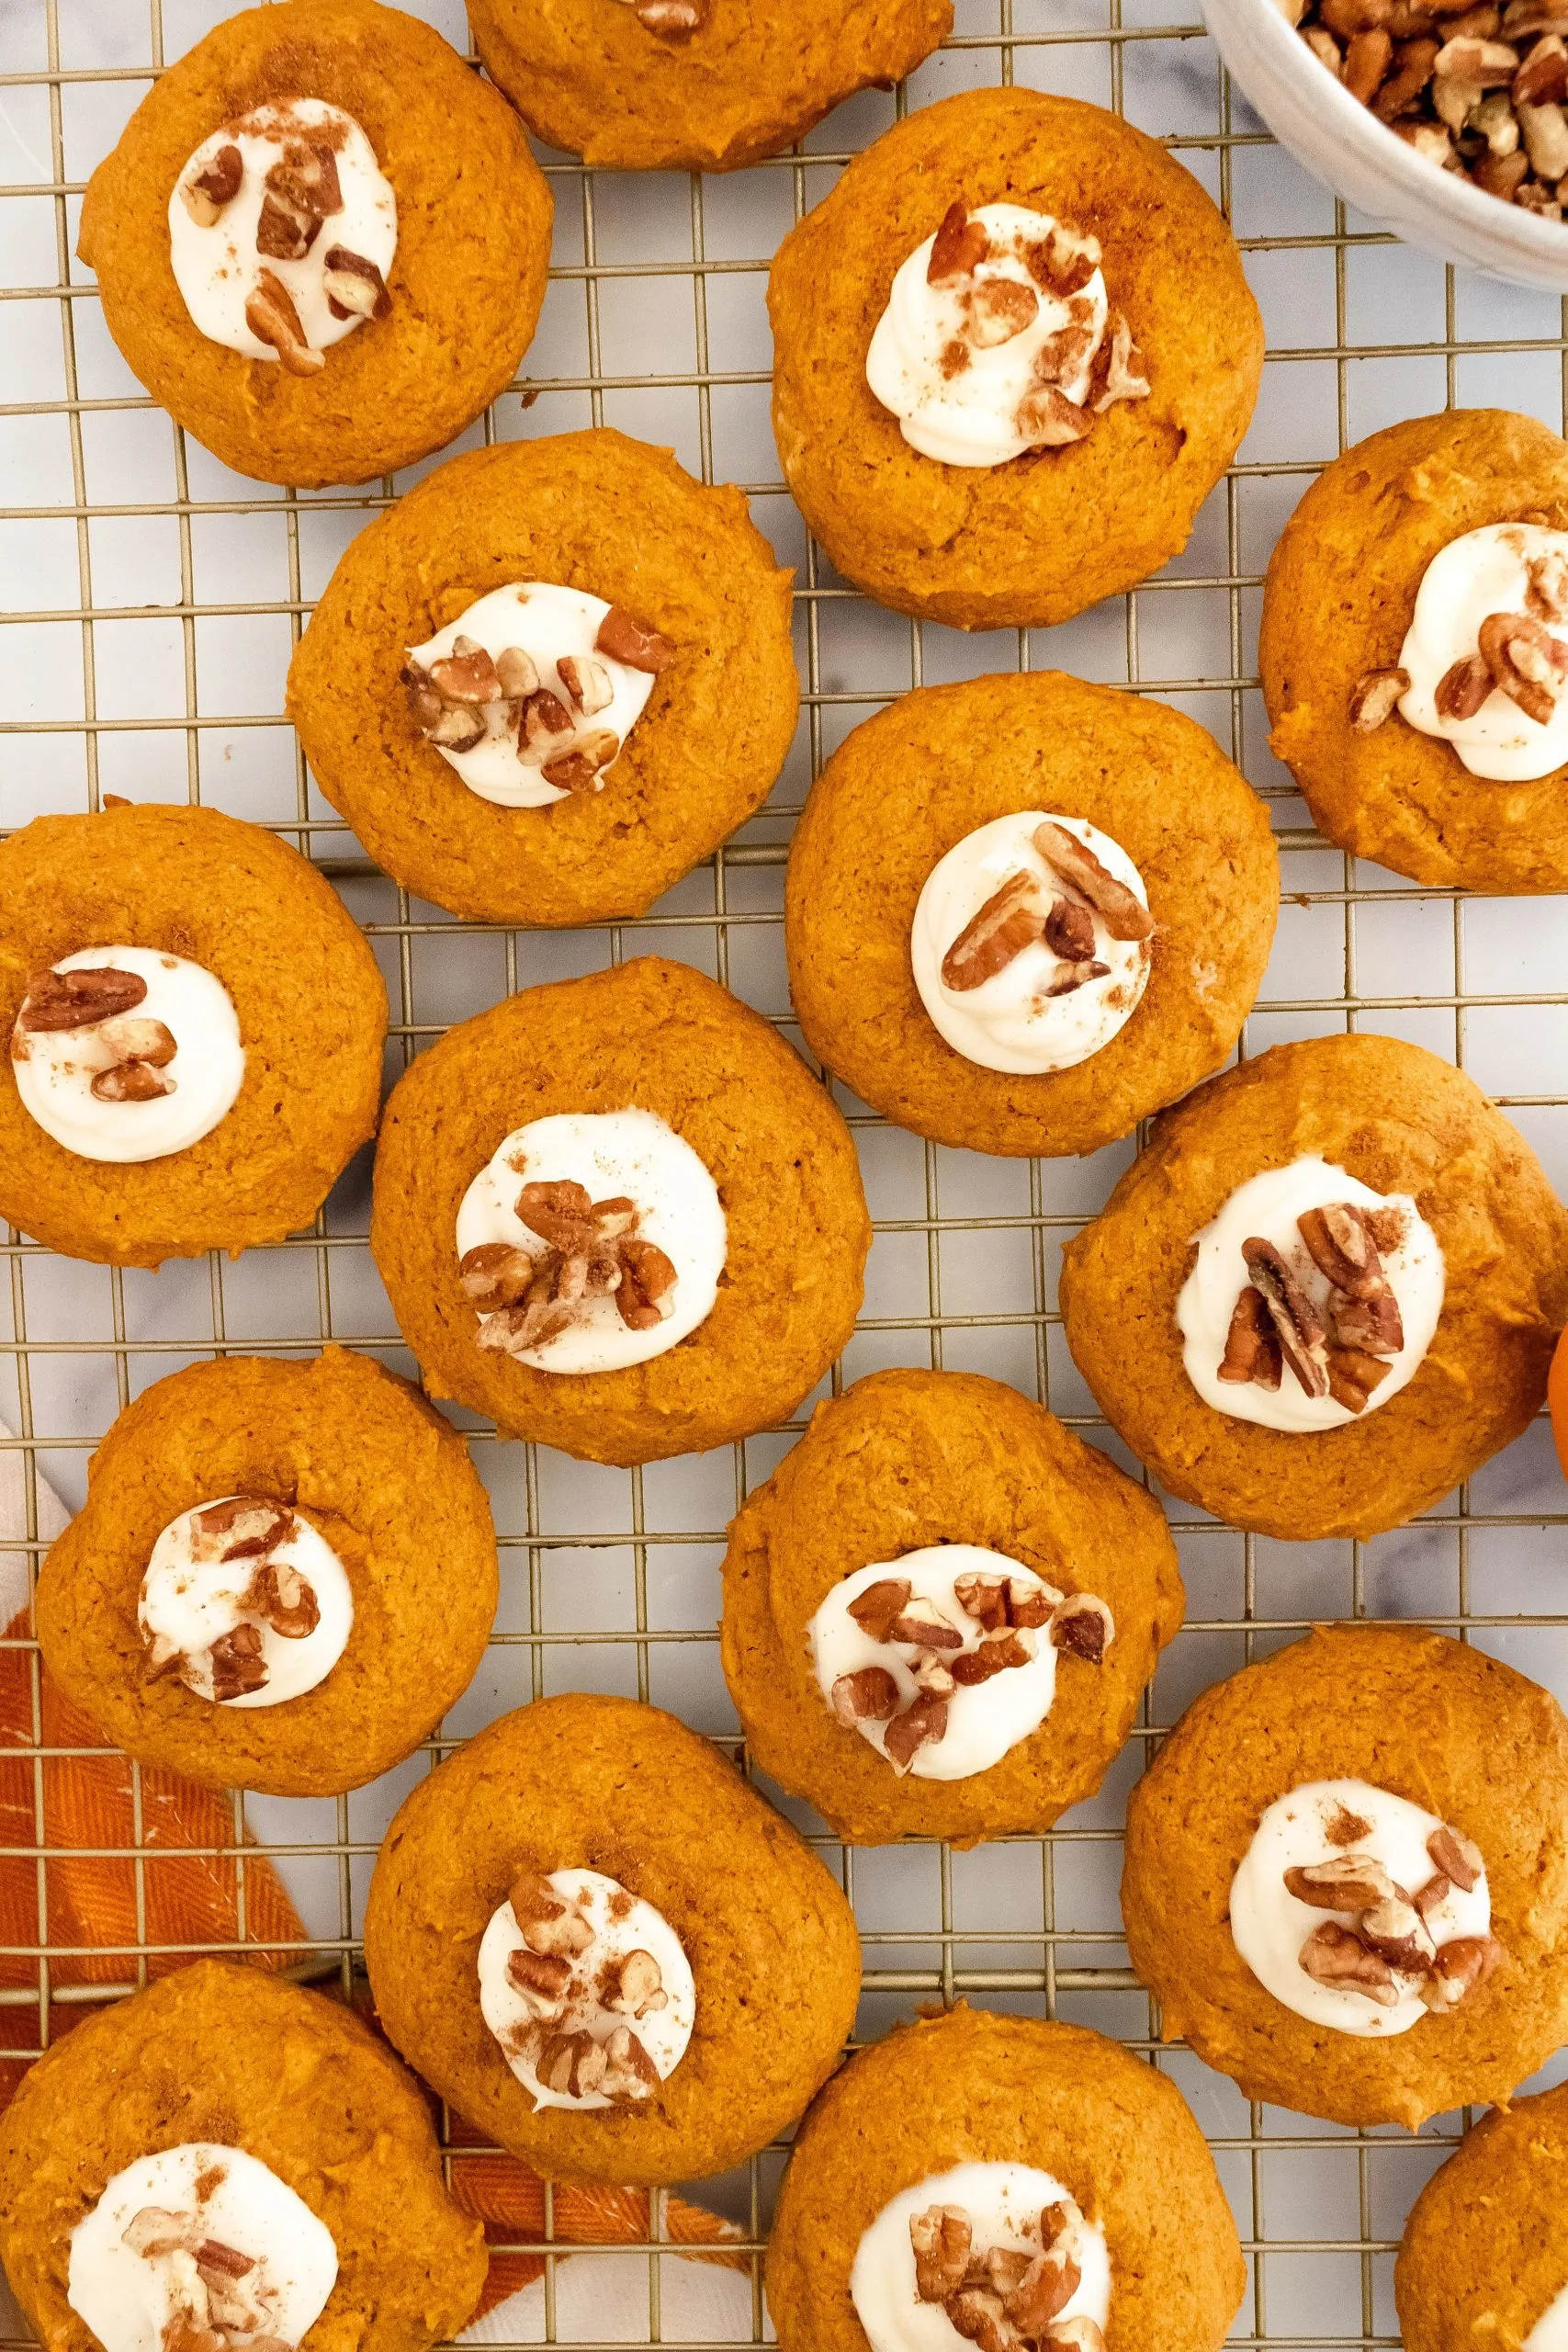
1446	118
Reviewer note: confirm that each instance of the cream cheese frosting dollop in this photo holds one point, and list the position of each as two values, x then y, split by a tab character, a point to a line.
945	1658
625	1254
1329	1830
587	1988
1014	2230
133	1066
997	337
245	1602
1505	585
288	200
202	2234
530	694
1079	968
1380	1336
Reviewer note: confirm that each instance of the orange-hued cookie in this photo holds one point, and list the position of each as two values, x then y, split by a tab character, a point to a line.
622	522
463	287
381	1477
1484	2258
694	86
772	1178
907	787
1337	605
1039	535
304	990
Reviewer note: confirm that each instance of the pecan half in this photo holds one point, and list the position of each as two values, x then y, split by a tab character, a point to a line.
999	310
1119	909
1297	1326
868	1696
272	318
1334	1956
959	247
79	1000
1011	919
238	1667
633	644
1252	1351
206	193
1461	691
940	2238
1523	659
547	1920
353	285
995	1654
1342	1882
1083	1626
1456	1969
1457	1856
919	1725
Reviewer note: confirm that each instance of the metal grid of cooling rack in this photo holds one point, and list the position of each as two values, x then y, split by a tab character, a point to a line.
147	603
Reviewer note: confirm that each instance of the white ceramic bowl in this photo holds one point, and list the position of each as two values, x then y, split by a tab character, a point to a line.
1344	145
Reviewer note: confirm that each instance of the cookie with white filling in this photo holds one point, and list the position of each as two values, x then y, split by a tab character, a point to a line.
1485	2256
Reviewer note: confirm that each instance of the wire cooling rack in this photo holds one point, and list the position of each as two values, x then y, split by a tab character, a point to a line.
149	601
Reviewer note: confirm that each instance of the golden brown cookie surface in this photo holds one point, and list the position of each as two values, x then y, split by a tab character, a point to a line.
901	1461
909	784
1486	2250
731	80
1402	1121
311	1008
661	1038
593	511
1048	534
607	1785
229	2054
1429	1719
377	1472
474	215
1341	593
975	2087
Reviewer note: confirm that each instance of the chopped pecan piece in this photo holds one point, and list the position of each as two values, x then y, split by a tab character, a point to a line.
131	1082
580	768
959	247
301	190
1372	1326
1011	919
546	1919
1432	1896
587	684
995	1655
213	2255
636	1988
1302	1341
977	2314
134	1038
1075	2334
1457	1856
996	1602
1340	1245
1461	691
919	1725
1083	1626
1335	1956
922	1622
1547	595
80	998
671	19
516	672
272	318
630	2074
496	1274
1523	659
1000	309
1374	695
1048	419
1051	2282
1119	909
466	674
206	193
868	1696
353	286
284	1599
542	1979
1069	931
238	1667
1119	368
942	2238
572	2064
647	1277
1063	262
875	1608
1395	1930
1352	1376
155	2231
1342	1882
1456	1969
931	1673
546	729
246	1527
629	642
1252	1351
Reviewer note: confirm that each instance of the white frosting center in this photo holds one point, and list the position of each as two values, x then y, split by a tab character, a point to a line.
1549	2333
54	1068
1010	1022
217	268
625	1154
621	1924
190	1603
1480	573
1266	1207
550	624
128	2299
983	1720
1269	1925
970	417
1004	2202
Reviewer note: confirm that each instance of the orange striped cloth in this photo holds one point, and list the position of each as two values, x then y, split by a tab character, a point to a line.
101	1881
